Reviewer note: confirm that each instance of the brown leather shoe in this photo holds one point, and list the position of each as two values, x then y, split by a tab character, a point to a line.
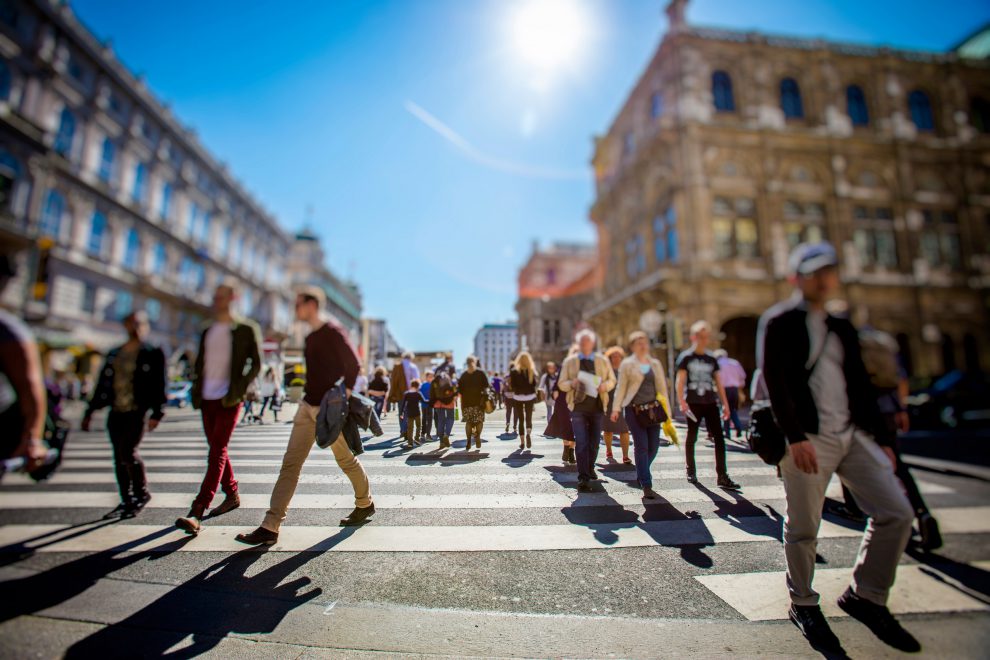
190	524
260	536
229	503
358	516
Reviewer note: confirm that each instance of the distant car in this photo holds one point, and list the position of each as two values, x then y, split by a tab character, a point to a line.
180	394
956	400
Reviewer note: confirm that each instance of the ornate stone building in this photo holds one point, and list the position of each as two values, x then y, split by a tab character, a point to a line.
307	266
114	204
733	147
555	285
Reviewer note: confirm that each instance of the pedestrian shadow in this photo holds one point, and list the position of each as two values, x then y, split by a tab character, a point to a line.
742	514
40	591
964	578
583	513
384	444
218	602
15	552
661	515
520	458
450	459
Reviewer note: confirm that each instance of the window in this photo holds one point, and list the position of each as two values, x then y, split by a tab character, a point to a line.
656	105
66	133
10	171
89	298
192	275
635	256
193	228
722	92
979	114
790	99
665	235
140	182
856	106
204	227
874	238
225	241
921	110
5	80
628	144
123	305
235	259
132	250
166	202
159	260
106	160
804	222
153	309
51	214
734	226
939	239
97	235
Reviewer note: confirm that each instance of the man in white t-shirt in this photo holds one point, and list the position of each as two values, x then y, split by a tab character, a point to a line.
228	361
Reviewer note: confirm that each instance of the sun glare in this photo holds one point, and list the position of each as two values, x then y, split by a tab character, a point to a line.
548	34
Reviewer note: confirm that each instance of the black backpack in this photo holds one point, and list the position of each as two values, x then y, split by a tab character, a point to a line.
445	387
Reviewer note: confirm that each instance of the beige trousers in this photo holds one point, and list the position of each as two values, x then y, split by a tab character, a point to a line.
864	468
301	441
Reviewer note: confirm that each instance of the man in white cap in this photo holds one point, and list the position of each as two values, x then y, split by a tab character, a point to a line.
826	406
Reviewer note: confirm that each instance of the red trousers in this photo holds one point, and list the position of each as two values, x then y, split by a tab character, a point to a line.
218	423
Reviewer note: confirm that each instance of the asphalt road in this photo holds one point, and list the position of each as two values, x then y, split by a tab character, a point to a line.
481	553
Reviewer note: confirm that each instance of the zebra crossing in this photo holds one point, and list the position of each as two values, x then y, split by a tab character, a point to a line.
496	499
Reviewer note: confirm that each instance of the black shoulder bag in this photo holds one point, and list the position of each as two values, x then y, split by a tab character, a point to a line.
765	437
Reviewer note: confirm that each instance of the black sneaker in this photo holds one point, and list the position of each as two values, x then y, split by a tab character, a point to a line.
727	484
692	477
879	620
931	538
584	486
358	516
594	476
260	536
812	624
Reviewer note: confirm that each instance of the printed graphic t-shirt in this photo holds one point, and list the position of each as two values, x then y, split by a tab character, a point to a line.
700	370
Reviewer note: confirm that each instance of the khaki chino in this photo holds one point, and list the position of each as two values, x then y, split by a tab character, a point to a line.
301	441
864	468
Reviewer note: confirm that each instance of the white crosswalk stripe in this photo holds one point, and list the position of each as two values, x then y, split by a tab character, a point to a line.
437	482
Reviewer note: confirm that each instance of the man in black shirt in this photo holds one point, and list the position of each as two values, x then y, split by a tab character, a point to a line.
329	357
699	390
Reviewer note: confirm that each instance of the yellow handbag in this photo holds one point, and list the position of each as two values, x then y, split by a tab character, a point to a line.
668	425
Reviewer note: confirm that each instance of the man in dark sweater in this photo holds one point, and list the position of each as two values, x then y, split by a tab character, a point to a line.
131	384
329	356
826	406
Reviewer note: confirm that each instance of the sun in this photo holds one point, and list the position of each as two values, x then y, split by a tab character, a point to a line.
548	35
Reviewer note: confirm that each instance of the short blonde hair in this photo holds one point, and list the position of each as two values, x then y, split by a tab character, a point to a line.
636	336
314	293
615	350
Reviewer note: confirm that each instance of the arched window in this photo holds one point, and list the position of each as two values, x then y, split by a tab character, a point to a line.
132	250
856	106
722	92
790	99
51	214
140	182
66	133
979	114
97	234
921	110
5	80
106	160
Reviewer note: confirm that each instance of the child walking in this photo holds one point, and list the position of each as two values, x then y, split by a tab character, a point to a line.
411	405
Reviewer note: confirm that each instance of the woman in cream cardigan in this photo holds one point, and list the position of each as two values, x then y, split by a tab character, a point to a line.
641	381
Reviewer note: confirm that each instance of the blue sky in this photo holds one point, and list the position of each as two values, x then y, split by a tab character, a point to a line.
431	149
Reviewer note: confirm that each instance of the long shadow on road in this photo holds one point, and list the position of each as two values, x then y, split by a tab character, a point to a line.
220	600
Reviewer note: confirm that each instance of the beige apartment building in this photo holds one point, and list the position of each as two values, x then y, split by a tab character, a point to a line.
733	147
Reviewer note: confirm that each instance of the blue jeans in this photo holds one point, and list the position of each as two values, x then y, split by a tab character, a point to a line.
379	405
402	421
445	421
646	444
732	394
587	436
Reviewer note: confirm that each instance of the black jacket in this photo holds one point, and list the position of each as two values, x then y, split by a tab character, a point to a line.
785	348
245	362
150	379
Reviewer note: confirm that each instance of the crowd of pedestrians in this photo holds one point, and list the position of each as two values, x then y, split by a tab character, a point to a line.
832	416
